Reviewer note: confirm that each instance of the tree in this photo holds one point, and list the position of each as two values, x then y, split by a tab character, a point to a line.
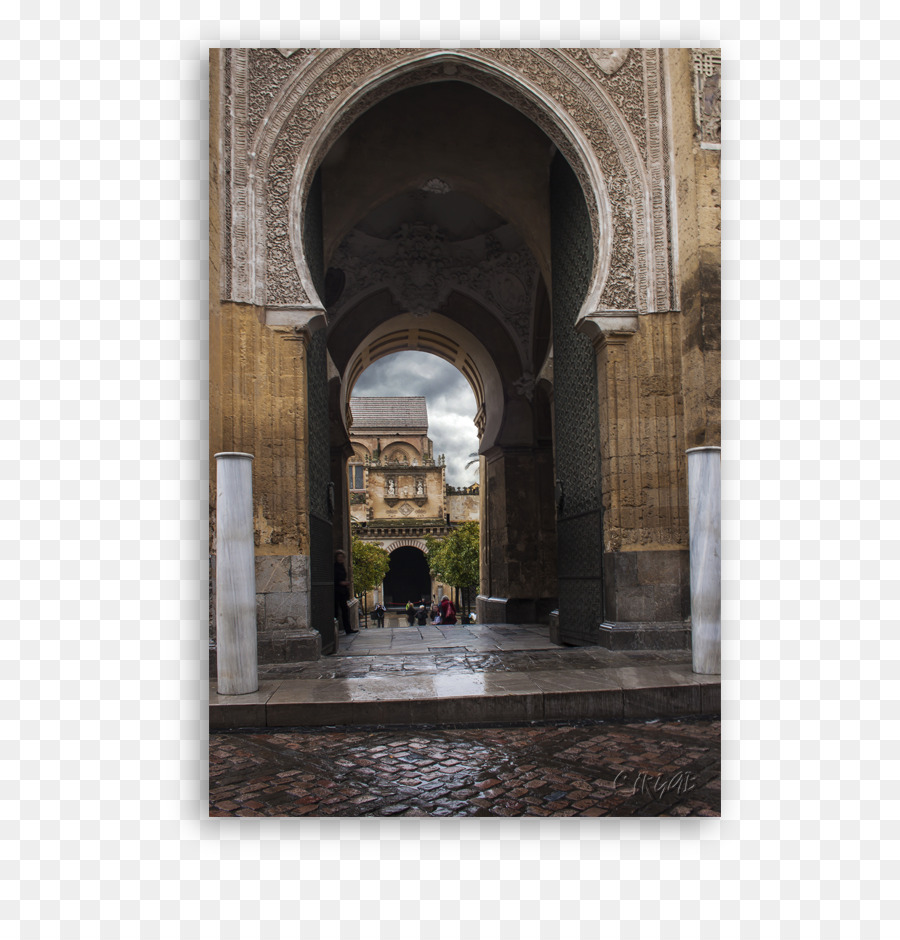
455	559
370	565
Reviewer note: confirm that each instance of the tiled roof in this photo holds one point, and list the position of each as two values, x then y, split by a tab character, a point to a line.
371	412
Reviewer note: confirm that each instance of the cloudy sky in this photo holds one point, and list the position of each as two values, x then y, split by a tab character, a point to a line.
450	403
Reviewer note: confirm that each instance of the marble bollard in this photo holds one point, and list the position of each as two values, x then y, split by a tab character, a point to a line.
705	519
235	576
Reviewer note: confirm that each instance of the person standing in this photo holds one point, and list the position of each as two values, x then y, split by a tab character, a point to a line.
410	613
448	611
421	615
379	615
342	591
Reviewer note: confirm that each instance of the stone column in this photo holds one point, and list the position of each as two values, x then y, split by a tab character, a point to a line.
235	576
704	501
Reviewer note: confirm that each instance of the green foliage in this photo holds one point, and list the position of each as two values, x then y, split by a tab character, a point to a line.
454	560
370	565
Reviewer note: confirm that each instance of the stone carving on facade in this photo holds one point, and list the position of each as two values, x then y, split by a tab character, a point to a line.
570	93
524	385
420	265
708	94
420	257
436	185
610	60
625	86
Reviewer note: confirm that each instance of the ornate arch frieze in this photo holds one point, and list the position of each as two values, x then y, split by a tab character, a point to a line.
604	109
421	266
404	543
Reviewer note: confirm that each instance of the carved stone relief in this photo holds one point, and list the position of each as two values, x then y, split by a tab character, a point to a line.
610	100
708	90
269	70
609	60
421	265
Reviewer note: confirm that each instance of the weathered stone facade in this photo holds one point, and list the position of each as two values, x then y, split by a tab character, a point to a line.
398	489
387	199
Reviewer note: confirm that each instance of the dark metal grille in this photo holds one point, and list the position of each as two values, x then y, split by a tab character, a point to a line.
576	403
321	559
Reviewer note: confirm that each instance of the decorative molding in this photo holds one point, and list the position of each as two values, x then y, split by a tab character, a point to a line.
658	177
297	321
240	267
599	326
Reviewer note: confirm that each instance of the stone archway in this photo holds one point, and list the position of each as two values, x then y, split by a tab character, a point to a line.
442	338
616	117
612	134
430	274
409	578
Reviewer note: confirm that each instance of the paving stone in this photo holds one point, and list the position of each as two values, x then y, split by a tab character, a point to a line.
571	771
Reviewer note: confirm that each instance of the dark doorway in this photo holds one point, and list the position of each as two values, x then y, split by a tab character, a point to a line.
408	579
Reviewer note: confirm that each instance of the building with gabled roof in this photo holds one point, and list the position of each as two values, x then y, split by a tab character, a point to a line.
389	413
398	490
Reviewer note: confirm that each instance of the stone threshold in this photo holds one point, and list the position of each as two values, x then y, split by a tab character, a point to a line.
650	691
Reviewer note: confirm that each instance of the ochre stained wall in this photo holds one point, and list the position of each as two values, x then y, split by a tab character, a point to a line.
699	202
643	468
257	390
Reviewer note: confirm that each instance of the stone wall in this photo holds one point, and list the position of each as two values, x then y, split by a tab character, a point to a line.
698	189
282	610
464	507
643	468
518	544
257	388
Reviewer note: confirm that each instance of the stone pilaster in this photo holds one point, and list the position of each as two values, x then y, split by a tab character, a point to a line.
642	469
518	583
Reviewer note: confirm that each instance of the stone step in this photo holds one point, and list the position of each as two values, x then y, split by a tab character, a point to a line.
638	691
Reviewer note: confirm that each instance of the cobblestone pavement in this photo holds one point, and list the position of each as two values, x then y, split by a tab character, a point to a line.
637	768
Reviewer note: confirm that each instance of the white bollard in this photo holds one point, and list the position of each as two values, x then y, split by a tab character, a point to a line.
235	576
705	520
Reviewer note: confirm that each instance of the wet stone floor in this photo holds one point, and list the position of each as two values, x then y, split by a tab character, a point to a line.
632	768
482	648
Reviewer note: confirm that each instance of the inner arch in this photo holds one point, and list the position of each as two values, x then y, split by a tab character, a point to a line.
445	339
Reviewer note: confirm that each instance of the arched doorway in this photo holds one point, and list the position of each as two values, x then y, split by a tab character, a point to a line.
453	259
354	180
408	579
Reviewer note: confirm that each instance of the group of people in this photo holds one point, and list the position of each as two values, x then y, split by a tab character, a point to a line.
443	613
419	613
